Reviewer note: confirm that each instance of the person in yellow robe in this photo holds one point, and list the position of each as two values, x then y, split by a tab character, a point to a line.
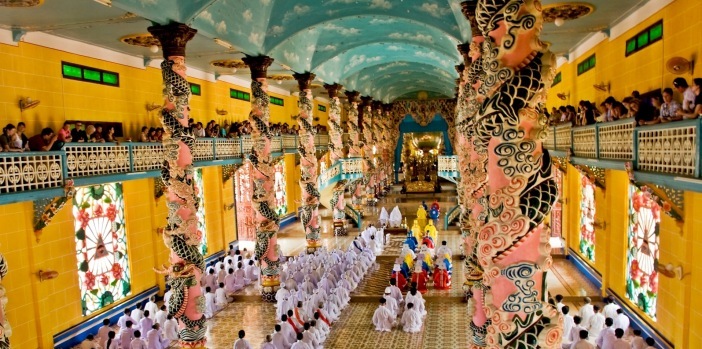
421	217
431	230
416	232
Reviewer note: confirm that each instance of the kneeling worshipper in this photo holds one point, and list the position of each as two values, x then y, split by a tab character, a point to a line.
391	303
443	251
411	320
154	338
398	277
427	261
411	241
419	278
384	217
421	217
268	343
442	279
210	304
434	215
416	298
395	218
383	318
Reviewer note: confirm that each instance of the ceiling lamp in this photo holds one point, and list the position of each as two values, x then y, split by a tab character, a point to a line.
559	21
153	48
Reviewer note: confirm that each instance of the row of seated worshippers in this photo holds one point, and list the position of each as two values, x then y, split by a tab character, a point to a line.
145	327
226	276
604	327
315	288
393	310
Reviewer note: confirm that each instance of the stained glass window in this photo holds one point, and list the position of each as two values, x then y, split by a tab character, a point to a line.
642	251
281	204
245	225
587	218
200	193
556	211
101	246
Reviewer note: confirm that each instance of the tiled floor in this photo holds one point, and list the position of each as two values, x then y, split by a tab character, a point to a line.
445	325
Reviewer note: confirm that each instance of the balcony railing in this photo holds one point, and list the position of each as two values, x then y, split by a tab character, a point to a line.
351	168
45	170
670	148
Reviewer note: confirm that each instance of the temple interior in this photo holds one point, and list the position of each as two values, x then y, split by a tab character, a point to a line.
521	171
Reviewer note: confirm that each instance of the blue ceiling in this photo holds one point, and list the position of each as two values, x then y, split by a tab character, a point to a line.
387	49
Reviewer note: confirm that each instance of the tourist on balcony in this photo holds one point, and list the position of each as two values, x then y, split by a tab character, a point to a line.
64	134
45	141
109	134
9	140
669	107
78	134
159	134
20	131
586	115
696	106
198	130
144	135
682	87
96	135
643	116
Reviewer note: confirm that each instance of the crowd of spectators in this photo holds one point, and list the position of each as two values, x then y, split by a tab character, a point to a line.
658	108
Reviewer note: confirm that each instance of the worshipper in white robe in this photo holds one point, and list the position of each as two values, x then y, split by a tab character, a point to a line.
112	341
322	324
416	298
289	327
138	342
383	318
391	303
651	343
597	324
610	308
90	343
299	315
309	337
242	343
151	305
103	332
155	340
280	339
210	306
307	285
161	315
170	328
444	250
221	300
211	279
300	344
251	271
240	274
317	332
384	217
568	324
621	321
574	334
268	343
582	342
559	304
331	309
230	284
122	321
637	342
606	337
126	334
146	322
395	291
137	314
375	246
586	311
167	297
619	342
395	218
221	273
411	320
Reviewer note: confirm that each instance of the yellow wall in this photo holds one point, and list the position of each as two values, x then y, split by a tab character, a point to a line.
644	70
678	314
33	71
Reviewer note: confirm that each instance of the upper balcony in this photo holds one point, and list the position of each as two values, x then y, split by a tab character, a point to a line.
665	154
31	175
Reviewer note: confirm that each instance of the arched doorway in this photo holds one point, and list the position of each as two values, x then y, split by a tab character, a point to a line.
409	125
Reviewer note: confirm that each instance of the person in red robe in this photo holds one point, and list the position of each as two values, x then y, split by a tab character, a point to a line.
399	278
428	241
419	278
442	279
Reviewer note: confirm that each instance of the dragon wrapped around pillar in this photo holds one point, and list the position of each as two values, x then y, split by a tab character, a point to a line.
354	144
337	202
309	212
511	246
368	166
5	328
180	235
263	171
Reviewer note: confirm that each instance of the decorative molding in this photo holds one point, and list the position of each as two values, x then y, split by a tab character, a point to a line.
159	188
228	171
20	4
671	201
567	11
143	40
596	174
45	209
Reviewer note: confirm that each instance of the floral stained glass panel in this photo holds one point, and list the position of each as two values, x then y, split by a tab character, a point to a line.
101	246
642	251
281	205
557	210
201	224
587	218
245	226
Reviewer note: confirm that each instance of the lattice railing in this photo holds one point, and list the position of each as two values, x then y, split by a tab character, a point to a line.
90	159
549	141
228	148
448	163
246	144
325	178
203	149
585	141
669	148
30	171
277	144
147	156
616	140
289	142
321	140
352	165
563	137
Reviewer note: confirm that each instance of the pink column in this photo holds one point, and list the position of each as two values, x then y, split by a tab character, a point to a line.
354	144
336	145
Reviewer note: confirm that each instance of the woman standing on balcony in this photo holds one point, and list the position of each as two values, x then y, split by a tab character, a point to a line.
697	108
9	139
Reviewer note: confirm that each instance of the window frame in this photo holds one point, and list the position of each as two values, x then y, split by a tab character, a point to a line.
82	77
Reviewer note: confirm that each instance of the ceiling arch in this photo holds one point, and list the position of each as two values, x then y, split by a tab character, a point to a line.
399	67
406	83
419	79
